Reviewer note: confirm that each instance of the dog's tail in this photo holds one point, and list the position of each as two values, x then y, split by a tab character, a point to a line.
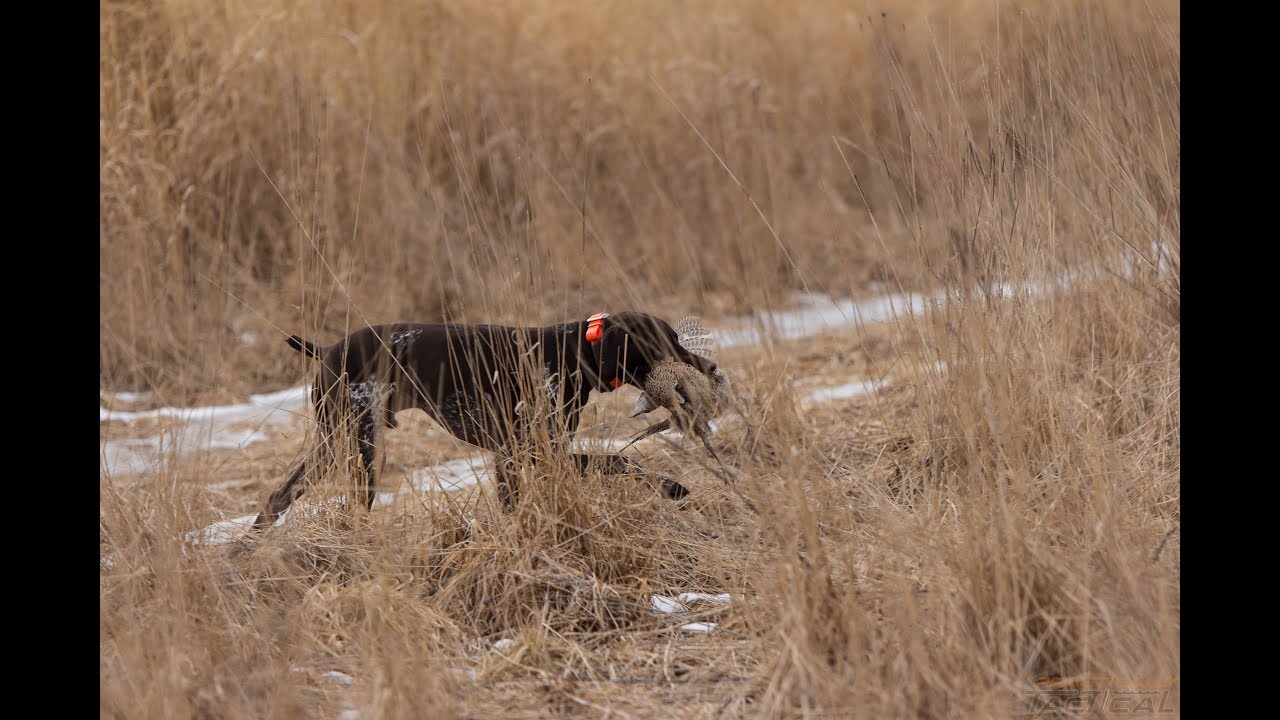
301	345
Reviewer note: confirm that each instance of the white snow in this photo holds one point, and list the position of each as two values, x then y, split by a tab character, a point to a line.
818	314
679	604
719	598
260	408
203	428
226	531
854	389
140	455
453	475
667	605
122	457
339	677
131	398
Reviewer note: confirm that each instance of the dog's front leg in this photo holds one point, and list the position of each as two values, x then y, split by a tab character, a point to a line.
615	464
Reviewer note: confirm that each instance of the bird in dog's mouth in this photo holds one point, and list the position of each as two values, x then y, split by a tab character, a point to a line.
691	397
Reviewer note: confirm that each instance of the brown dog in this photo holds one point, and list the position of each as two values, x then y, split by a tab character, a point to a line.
488	385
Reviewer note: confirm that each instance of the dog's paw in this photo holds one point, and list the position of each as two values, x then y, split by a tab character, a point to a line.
673	490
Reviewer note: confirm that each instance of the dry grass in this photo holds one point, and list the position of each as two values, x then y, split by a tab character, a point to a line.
989	516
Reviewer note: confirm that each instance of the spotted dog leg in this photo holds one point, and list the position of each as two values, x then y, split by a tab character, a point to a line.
367	405
508	480
283	496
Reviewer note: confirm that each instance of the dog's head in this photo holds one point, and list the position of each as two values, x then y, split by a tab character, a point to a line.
632	343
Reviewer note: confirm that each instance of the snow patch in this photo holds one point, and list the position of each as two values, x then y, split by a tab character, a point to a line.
226	531
453	475
667	605
719	598
262	407
129	398
339	677
857	388
818	314
204	428
305	508
141	455
679	604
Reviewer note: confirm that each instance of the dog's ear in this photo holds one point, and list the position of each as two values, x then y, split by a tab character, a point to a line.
630	344
614	350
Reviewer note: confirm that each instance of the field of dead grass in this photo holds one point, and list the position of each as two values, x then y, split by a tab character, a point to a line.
1002	508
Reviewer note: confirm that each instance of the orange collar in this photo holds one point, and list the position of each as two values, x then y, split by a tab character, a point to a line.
595	328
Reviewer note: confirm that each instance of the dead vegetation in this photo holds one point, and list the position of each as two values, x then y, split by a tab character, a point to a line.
1001	507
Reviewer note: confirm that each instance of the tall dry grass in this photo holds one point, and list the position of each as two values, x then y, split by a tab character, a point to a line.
283	163
993	521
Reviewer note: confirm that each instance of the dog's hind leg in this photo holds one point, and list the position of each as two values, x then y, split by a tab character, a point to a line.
366	405
366	426
508	480
296	485
283	496
368	458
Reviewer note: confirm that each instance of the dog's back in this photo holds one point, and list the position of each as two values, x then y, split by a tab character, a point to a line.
471	379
